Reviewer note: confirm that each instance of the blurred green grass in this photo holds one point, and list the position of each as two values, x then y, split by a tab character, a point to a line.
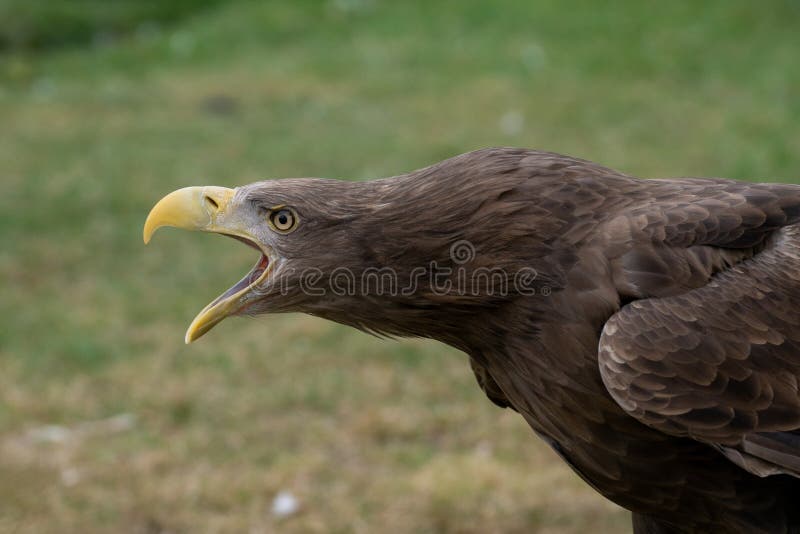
40	24
368	434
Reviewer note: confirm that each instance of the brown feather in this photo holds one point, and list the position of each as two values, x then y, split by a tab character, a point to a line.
690	288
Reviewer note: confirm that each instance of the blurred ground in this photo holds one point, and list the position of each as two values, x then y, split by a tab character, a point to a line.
109	423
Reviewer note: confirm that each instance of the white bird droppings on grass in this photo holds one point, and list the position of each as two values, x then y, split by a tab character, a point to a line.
284	504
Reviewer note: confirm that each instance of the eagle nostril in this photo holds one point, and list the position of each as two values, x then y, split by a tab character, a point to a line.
211	203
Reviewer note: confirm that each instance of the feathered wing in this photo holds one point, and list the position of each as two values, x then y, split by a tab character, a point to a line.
719	363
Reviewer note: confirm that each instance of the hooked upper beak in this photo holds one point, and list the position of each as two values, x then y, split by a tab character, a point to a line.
190	208
210	209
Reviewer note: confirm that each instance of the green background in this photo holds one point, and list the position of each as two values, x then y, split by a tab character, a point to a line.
107	106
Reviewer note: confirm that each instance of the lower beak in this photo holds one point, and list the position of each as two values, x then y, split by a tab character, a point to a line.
209	209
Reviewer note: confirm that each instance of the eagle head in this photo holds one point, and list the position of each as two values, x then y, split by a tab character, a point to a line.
437	253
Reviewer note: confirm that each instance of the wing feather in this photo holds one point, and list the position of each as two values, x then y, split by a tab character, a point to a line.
719	363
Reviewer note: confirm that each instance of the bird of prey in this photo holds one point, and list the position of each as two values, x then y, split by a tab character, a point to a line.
647	330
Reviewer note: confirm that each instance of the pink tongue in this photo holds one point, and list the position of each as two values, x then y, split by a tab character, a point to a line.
258	269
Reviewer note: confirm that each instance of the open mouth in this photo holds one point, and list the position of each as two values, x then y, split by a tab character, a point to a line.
236	299
213	209
253	278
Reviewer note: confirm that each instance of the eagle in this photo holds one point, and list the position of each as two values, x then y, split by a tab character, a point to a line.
647	330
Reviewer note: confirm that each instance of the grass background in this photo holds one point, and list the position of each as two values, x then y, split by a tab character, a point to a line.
105	107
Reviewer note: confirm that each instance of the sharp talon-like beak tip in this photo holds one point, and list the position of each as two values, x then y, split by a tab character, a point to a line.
153	223
147	231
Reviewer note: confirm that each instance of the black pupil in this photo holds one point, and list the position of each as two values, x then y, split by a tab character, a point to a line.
283	219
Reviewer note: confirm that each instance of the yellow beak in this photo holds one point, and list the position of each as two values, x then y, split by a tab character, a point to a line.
190	208
207	209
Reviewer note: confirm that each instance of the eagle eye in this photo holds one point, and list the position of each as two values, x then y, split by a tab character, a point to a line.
283	220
